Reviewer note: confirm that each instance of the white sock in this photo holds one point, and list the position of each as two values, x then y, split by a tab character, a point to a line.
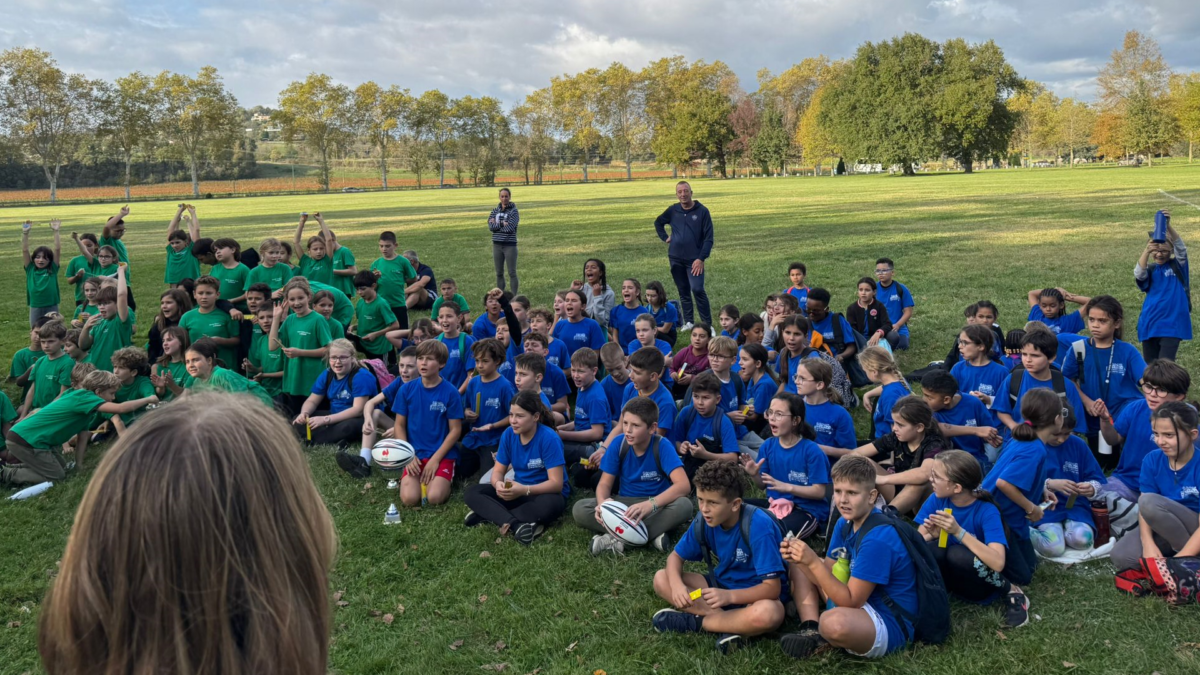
365	453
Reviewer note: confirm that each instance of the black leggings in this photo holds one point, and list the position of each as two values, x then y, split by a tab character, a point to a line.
338	433
543	509
401	313
965	575
389	356
1160	348
799	522
474	462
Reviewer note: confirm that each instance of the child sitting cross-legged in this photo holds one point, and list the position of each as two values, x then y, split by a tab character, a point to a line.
911	445
646	474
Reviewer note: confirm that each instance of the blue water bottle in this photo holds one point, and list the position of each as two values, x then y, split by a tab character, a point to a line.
1161	220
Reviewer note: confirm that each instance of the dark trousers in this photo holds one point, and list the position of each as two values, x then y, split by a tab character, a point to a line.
1160	348
389	356
543	509
799	522
473	463
688	285
1020	562
965	575
401	313
338	433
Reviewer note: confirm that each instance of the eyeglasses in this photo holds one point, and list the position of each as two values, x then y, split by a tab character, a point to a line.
723	357
1148	388
339	358
884	271
776	415
804	379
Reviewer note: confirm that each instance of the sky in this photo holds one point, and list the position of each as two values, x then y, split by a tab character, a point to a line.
508	49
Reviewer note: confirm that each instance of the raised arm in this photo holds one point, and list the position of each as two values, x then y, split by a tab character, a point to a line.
1073	297
1034	297
55	225
83	251
25	227
331	243
174	224
193	224
113	221
122	292
299	234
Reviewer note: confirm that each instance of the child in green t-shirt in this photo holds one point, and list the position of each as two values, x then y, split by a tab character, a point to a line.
23	360
80	268
314	263
51	374
181	264
375	319
263	364
132	367
171	368
207	320
112	328
303	337
41	273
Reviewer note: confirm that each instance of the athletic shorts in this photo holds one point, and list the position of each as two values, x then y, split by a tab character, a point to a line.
880	646
445	468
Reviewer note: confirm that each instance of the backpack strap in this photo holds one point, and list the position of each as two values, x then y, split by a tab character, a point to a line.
462	345
1183	278
698	533
1079	347
625	448
839	335
1014	384
1057	382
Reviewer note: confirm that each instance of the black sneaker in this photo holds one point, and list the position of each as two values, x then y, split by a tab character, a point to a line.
729	642
1016	614
527	532
663	543
472	519
804	644
354	465
674	621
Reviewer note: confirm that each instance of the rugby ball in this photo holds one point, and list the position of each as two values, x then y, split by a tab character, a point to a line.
391	454
612	516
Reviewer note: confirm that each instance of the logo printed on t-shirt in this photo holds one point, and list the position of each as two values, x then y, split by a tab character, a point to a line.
650	476
741	556
535	463
1071	468
437	406
823	428
1189	491
798	477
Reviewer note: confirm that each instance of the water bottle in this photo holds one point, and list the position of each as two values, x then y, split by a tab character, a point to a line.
33	490
1100	517
841	568
1161	220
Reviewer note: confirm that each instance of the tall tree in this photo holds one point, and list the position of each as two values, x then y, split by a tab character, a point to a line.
198	114
812	137
791	91
1148	127
970	103
129	114
49	112
771	144
321	114
481	128
1106	135
429	122
622	111
745	123
1185	95
1025	131
379	113
1138	66
534	133
1076	120
576	100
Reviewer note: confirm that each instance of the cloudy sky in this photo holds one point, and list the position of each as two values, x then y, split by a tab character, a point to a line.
509	49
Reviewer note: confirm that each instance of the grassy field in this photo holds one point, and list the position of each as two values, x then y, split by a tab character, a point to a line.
554	609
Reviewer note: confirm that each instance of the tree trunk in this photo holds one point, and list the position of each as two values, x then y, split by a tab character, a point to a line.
906	168
585	167
196	178
52	179
442	170
128	162
968	164
1072	157
628	165
383	169
325	171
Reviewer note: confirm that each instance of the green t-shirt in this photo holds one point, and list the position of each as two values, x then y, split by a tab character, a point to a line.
141	387
268	360
336	332
60	421
107	337
343	308
7	414
437	304
122	253
310	331
41	285
394	275
316	270
79	263
49	377
343	259
178	372
90	309
275	277
227	380
233	282
22	361
216	324
373	316
110	271
181	265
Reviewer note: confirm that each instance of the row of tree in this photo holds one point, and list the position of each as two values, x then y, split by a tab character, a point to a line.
898	102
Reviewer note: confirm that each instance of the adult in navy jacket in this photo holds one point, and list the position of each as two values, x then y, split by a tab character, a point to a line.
688	246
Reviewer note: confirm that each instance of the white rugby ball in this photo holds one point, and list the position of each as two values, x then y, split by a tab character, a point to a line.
612	516
391	454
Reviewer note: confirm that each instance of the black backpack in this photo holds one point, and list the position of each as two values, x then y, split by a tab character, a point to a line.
748	510
1057	382
625	448
717	446
931	624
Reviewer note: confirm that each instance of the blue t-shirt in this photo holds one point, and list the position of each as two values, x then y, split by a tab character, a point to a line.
666	406
483	328
1182	486
508	369
639	476
979	518
428	411
1165	311
489	400
730	401
883	407
740	564
787	369
759	394
882	560
1071	461
341	392
895	298
802	464
621	319
825	328
583	333
699	427
389	394
557	354
801	296
968	412
1122	377
591	407
1134	426
531	462
457	365
554	383
833	424
1003	402
667	314
615	393
983	379
1066	323
1023	465
1066	347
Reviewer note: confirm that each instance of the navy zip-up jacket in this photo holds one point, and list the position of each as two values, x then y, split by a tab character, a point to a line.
691	231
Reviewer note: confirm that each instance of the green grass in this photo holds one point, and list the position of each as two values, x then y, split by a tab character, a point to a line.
955	238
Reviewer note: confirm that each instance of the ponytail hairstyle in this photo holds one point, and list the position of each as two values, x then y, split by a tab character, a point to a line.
796	407
179	334
1110	306
603	273
759	355
914	410
658	288
822	373
1182	416
745	324
1041	409
880	360
1057	296
531	401
961	467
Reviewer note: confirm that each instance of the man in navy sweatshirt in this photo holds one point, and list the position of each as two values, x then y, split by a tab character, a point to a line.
688	246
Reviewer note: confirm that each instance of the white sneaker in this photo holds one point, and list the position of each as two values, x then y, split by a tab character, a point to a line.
607	542
685	327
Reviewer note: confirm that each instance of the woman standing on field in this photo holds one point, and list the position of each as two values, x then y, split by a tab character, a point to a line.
503	223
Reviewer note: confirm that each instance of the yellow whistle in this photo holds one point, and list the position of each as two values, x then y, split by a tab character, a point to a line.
943	537
695	595
478	401
309	431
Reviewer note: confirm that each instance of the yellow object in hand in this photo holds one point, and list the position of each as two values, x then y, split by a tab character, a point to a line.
695	595
1071	501
585	463
478	401
308	427
943	538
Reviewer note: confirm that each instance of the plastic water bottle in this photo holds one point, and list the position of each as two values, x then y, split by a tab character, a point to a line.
33	490
392	516
1161	220
1103	526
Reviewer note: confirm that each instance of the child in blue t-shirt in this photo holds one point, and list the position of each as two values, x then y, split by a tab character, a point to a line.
554	381
822	320
592	420
1162	382
898	300
743	596
798	290
345	388
881	368
792	468
880	571
645	368
621	317
1169	508
1038	349
1111	368
824	410
537	492
376	420
702	433
643	472
964	530
964	420
1049	305
485	409
664	312
429	415
729	317
1163	274
616	364
645	331
459	360
530	370
760	386
979	375
541	321
578	330
1072	472
485	326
